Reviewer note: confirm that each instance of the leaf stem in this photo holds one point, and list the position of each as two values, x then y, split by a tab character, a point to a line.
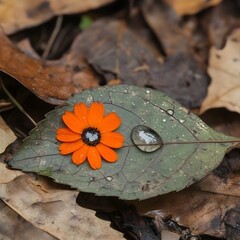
186	142
16	103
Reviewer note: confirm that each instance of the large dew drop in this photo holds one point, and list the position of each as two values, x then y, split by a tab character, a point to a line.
146	139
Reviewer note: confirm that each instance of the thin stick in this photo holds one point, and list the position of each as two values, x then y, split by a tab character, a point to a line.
53	37
15	102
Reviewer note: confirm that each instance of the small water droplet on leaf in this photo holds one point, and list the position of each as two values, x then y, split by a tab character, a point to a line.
170	112
109	178
146	139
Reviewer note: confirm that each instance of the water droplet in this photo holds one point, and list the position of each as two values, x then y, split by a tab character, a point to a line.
170	112
181	121
147	91
109	178
164	120
146	139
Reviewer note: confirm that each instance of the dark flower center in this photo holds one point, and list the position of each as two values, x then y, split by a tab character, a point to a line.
91	136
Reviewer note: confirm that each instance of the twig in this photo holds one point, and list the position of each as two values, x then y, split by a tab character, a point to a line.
53	37
15	102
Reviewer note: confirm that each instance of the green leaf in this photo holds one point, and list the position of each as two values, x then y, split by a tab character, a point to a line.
189	151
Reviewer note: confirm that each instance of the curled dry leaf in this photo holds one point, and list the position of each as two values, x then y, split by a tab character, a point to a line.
52	81
31	13
7	135
224	69
185	7
49	208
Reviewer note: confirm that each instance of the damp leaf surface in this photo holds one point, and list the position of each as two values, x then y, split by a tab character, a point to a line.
188	151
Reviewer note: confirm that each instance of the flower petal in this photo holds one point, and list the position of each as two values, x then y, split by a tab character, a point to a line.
112	139
80	155
66	148
73	122
80	111
95	114
94	158
66	135
110	123
107	153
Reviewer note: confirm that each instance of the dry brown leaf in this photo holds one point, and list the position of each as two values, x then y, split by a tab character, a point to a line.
223	121
14	227
116	53
52	81
31	13
224	69
7	135
166	26
166	235
7	175
185	7
53	210
201	207
220	21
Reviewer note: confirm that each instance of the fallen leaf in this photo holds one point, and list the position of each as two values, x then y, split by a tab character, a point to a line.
187	148
52	210
32	13
223	121
166	235
219	21
231	221
183	67
6	175
52	81
15	227
185	7
131	224
230	164
7	135
224	71
116	53
201	207
166	26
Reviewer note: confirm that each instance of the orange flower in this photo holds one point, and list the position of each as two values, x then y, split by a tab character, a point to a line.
89	134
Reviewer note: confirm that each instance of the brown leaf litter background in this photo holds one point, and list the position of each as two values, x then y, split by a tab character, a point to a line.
187	49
